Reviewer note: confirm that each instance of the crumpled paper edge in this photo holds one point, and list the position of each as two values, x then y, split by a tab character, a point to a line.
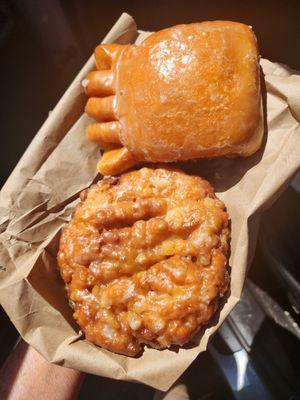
17	292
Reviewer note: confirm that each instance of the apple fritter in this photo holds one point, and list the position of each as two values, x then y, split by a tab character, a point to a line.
144	259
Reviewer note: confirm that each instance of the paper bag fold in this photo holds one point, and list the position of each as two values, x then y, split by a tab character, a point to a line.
39	196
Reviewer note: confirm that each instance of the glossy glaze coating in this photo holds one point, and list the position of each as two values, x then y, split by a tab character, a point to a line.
144	259
187	92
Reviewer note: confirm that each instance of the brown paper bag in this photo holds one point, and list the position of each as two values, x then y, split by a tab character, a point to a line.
38	198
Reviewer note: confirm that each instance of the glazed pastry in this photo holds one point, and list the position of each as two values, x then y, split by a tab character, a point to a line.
144	259
187	92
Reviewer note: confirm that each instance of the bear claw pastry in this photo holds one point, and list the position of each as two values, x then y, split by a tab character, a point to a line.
186	92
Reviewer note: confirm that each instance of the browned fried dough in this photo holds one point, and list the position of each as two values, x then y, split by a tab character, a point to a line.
144	259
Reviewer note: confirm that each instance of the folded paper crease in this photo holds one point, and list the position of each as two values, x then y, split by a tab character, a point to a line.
41	192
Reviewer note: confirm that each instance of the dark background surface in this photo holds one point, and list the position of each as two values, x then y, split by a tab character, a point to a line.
44	43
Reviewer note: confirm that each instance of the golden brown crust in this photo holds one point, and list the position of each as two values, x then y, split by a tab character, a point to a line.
187	92
194	93
144	259
116	161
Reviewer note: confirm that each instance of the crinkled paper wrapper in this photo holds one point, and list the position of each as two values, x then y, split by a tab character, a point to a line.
39	196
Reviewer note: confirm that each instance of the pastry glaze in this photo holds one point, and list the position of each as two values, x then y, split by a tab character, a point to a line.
144	259
187	92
